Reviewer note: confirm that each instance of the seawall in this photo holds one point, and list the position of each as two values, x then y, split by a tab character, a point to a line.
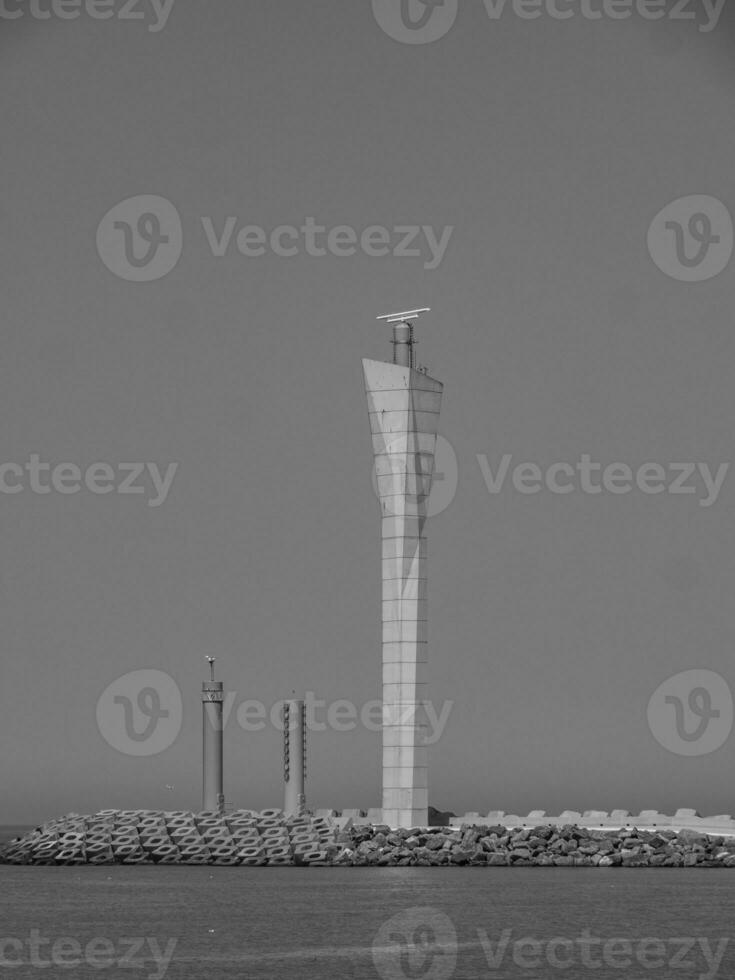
247	838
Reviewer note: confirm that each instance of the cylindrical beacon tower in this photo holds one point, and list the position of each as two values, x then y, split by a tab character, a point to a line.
403	344
294	757
213	797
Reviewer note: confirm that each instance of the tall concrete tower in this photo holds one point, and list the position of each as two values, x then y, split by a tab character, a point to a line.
294	757
404	406
213	797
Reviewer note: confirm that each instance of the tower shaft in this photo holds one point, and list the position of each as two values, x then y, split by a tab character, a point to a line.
294	757
404	407
213	797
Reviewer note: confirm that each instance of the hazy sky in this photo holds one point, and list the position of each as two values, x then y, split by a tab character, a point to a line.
549	147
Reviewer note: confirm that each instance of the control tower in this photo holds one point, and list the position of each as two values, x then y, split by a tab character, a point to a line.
404	405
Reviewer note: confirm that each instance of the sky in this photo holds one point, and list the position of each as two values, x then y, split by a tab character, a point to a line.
564	323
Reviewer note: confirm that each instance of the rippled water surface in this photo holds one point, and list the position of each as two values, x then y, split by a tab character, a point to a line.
324	923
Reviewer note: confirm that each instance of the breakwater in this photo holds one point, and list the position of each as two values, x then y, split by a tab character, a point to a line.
246	838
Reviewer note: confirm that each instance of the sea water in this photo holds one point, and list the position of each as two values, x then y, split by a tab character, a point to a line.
184	923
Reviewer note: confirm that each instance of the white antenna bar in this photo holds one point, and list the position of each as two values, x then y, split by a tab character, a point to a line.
402	317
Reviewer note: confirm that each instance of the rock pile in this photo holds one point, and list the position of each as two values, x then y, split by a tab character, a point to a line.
268	838
541	846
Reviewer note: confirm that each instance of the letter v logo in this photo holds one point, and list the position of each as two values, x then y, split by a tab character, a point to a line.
416	21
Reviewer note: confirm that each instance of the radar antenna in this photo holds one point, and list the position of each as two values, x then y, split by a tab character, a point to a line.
406	315
403	339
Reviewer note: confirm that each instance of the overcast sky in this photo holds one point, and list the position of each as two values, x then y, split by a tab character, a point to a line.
547	148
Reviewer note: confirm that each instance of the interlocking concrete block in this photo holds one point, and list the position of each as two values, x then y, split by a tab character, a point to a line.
652	818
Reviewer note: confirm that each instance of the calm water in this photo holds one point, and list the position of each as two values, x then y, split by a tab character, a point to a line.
9	832
319	924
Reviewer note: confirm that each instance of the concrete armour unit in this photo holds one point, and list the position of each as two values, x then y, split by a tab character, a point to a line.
404	406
